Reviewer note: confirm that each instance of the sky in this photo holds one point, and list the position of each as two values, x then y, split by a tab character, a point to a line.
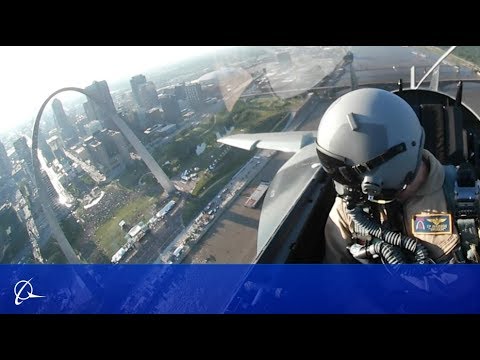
29	74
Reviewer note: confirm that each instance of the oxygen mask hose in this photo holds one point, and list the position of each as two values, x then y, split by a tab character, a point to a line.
365	226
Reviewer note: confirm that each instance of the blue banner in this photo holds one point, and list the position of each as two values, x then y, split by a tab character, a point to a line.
239	289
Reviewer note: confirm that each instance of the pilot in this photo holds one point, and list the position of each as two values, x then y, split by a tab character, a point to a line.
390	205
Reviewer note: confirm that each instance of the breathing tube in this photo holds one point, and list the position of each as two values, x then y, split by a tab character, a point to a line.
387	240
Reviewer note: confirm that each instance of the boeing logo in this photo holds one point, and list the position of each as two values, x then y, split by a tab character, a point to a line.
24	287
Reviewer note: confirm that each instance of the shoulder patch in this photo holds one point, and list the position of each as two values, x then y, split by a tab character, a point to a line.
432	224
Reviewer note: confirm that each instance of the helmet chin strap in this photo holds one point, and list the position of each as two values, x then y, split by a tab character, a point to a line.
378	201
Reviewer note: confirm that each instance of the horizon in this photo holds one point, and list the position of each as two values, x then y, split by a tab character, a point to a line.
55	67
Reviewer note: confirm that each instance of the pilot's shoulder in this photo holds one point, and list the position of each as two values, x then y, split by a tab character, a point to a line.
338	213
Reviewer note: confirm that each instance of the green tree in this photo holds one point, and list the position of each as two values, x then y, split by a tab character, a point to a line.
73	230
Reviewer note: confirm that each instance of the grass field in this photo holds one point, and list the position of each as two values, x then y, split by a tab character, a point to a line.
110	237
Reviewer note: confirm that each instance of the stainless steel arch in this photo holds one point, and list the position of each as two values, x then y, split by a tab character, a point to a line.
59	235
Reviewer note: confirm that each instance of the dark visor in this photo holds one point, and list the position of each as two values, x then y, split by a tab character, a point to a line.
351	175
332	166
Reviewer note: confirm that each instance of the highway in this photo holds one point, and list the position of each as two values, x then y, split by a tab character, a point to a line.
157	239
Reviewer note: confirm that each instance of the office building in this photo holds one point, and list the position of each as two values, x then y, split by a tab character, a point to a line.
100	104
135	83
194	95
14	237
171	109
67	129
5	163
148	97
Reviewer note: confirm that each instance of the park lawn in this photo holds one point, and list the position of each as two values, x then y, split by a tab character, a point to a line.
110	237
203	160
275	104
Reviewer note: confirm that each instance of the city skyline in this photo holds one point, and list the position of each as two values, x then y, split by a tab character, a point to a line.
31	73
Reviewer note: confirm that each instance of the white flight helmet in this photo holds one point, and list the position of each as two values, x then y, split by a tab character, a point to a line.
371	140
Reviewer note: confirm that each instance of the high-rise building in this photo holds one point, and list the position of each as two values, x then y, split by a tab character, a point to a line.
80	152
171	110
55	143
194	95
80	122
46	150
130	117
56	146
180	92
8	186
22	178
103	136
62	121
107	114
148	97
14	237
103	107
154	116
115	143
89	111
109	152
140	119
24	154
98	153
22	149
5	163
135	83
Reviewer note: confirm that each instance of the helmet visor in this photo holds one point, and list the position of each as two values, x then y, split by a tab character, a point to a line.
352	176
338	170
